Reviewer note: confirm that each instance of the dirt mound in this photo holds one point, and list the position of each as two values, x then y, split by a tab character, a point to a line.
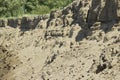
80	42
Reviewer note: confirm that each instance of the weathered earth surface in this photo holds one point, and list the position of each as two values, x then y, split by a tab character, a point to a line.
80	42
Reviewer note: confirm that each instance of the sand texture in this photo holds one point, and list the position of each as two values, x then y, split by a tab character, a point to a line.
79	42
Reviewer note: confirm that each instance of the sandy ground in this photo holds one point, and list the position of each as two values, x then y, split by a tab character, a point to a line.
77	43
30	56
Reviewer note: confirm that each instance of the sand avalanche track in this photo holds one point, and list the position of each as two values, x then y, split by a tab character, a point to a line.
80	42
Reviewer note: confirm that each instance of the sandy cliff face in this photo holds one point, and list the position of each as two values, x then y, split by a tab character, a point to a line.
80	42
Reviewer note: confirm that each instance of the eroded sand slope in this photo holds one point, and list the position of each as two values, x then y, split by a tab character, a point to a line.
80	42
